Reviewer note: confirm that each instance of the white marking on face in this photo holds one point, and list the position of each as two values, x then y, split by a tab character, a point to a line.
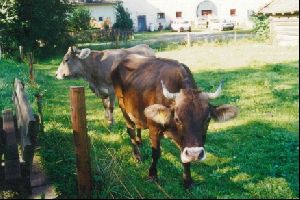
61	71
190	154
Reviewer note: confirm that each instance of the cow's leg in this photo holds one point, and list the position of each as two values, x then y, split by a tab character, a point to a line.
139	137
187	179
108	103
111	110
105	101
155	143
131	132
135	148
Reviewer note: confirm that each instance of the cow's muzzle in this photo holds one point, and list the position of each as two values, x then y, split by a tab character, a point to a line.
59	75
190	154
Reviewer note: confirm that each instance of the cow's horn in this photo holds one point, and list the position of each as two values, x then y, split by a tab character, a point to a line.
217	93
84	53
74	49
166	93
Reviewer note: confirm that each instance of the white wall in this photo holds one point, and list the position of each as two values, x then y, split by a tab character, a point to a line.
104	11
151	8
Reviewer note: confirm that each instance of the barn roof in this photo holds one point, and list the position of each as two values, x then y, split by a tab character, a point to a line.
281	6
95	2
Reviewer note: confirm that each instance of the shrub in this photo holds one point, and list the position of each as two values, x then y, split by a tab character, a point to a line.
261	27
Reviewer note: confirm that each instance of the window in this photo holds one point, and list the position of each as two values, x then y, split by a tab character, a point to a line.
232	12
206	12
100	19
160	15
178	14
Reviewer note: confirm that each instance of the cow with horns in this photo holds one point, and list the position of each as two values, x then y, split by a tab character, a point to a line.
161	95
95	67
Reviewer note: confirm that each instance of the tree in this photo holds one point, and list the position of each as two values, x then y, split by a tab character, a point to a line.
7	17
80	19
35	23
7	12
123	20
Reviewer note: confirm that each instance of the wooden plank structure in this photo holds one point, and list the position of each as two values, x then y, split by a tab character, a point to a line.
284	21
19	132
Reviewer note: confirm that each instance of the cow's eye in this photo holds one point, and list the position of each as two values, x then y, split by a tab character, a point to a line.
66	60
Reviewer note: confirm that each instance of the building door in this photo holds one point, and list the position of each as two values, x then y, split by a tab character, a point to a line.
142	26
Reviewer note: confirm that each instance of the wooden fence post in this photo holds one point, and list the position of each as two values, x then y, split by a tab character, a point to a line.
31	76
189	44
39	101
235	35
118	39
81	141
21	50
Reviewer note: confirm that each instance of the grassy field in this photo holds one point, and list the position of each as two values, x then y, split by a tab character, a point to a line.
255	155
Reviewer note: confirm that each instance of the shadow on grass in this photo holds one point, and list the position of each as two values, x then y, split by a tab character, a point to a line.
239	159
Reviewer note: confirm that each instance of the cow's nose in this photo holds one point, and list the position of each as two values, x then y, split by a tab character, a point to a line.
202	155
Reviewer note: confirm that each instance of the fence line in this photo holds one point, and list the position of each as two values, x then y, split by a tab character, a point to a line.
102	35
181	38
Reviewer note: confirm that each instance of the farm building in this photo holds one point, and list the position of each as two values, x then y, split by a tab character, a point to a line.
156	13
284	21
101	11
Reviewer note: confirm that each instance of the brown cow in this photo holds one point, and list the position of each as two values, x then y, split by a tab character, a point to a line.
161	95
96	67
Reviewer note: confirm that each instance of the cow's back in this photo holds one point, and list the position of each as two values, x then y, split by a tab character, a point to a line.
142	49
137	83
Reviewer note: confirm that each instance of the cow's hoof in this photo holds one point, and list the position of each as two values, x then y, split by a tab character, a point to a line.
152	178
188	184
138	157
153	174
110	126
139	143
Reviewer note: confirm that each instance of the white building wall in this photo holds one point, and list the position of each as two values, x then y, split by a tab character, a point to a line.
150	8
104	11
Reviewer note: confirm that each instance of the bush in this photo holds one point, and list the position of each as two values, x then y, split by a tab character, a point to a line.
261	27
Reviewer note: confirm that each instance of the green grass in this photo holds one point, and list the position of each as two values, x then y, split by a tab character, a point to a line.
253	156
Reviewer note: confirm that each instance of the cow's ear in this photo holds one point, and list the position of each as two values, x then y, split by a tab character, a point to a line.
84	53
224	112
158	113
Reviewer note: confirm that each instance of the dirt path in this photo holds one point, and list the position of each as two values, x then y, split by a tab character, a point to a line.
232	55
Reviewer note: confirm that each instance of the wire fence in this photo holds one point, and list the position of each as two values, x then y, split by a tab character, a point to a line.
174	38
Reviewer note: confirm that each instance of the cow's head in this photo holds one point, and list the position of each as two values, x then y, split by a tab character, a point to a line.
188	119
72	63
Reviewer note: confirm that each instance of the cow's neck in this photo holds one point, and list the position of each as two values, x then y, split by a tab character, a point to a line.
96	75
